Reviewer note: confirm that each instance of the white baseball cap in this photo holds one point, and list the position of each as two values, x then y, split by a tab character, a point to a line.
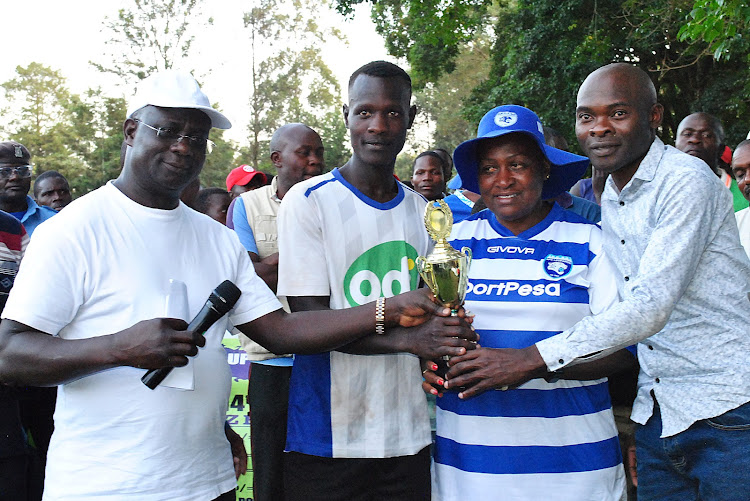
175	89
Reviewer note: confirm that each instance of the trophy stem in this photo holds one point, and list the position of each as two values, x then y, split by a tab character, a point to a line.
443	362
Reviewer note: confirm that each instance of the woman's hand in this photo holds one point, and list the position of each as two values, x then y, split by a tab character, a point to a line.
432	383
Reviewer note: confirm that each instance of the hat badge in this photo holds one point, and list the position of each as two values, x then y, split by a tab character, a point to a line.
247	168
505	118
18	151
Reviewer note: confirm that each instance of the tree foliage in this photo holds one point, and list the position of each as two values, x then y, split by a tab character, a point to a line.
150	36
79	136
290	80
441	102
428	33
720	23
95	138
545	48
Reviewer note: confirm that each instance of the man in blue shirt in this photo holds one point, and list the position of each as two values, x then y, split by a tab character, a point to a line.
36	404
15	183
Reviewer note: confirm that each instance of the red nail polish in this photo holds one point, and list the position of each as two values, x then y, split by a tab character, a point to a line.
440	382
434	367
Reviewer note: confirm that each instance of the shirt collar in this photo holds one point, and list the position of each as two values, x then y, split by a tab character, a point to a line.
646	170
274	189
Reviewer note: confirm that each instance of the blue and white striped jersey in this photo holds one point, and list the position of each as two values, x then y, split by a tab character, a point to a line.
334	241
542	440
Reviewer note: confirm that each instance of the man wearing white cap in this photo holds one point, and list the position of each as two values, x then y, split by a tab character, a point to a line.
85	314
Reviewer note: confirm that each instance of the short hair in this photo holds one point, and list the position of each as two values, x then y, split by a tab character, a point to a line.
432	154
713	122
553	137
201	200
381	69
447	162
743	143
48	174
277	140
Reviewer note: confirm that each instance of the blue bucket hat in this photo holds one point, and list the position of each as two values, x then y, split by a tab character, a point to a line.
565	168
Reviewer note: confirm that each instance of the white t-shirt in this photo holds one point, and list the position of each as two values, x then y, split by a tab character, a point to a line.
334	241
743	223
103	266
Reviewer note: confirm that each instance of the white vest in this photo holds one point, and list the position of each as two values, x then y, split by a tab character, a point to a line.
262	207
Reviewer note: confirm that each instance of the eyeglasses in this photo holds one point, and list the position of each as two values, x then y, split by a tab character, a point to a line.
171	135
20	170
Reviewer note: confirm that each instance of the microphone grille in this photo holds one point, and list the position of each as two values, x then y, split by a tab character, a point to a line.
228	294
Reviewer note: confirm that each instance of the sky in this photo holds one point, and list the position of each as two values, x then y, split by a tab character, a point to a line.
67	35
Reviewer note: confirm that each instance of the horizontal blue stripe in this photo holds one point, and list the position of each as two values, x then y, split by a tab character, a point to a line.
528	459
552	403
528	291
516	248
512	339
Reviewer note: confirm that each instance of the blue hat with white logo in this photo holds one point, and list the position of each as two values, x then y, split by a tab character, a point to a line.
565	169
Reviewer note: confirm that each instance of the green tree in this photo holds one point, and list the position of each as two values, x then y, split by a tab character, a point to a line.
220	161
441	101
150	36
37	115
428	33
290	81
545	48
718	23
96	137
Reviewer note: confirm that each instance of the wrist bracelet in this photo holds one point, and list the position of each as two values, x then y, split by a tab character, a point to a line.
380	316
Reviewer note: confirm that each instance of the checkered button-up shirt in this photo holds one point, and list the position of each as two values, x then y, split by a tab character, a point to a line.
684	281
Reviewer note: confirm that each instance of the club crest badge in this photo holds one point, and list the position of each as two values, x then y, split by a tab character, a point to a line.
505	118
557	266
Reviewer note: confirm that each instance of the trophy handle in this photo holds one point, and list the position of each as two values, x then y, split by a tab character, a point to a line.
425	271
467	252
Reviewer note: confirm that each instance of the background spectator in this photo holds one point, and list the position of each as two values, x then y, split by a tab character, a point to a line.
244	178
213	202
52	190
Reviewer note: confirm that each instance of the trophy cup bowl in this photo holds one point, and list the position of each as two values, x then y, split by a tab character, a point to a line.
444	270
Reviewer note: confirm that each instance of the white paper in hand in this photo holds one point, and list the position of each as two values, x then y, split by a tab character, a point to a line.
176	306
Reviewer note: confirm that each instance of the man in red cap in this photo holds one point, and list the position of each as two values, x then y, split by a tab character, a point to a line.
244	178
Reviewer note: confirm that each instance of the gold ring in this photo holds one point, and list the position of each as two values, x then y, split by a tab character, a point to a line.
423	372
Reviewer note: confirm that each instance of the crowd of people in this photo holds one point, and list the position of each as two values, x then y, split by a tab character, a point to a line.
573	282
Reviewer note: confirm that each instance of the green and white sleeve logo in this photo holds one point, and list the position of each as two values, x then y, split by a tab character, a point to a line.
385	270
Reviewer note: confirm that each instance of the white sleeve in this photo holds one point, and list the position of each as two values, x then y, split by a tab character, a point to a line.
666	268
51	282
256	299
303	269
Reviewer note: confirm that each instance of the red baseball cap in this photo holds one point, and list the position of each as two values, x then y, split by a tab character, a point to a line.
726	155
243	175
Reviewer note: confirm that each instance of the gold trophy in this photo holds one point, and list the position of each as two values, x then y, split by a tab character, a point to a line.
445	270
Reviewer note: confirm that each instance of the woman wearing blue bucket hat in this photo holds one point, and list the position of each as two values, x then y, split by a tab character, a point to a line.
537	269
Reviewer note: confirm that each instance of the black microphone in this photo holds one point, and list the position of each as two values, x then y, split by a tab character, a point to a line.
221	300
